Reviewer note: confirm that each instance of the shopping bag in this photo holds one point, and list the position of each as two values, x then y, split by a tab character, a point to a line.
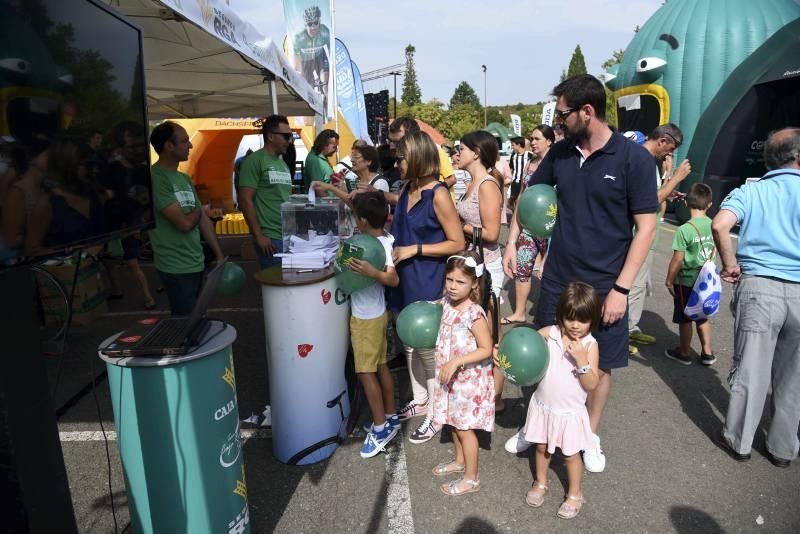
703	301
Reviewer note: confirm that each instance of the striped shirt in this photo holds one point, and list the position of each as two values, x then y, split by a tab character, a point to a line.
519	165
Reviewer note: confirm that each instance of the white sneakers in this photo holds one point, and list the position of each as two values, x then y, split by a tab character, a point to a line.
516	443
593	459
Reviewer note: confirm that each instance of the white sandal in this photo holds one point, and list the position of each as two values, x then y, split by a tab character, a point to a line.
451	488
535	500
567	510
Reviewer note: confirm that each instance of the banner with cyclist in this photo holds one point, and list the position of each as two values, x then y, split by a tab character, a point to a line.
309	44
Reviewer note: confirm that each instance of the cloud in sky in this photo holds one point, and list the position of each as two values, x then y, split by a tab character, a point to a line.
525	44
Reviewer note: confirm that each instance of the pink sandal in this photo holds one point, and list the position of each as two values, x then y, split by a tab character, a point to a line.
567	510
535	498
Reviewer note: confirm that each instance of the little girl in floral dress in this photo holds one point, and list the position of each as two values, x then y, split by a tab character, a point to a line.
464	398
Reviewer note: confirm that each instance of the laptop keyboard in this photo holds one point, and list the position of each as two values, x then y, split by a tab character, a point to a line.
170	333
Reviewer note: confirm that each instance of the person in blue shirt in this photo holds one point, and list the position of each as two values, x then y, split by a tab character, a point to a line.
766	302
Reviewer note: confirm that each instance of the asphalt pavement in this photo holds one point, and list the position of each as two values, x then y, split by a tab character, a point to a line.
663	474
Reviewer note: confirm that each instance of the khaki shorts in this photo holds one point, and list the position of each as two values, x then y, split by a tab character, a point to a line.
368	337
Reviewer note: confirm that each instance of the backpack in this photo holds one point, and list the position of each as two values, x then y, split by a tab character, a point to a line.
704	300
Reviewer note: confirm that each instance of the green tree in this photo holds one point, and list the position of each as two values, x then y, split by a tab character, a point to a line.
411	93
465	94
495	115
615	59
459	120
577	65
611	102
432	112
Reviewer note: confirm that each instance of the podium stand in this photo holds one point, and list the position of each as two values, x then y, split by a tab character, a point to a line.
307	333
177	424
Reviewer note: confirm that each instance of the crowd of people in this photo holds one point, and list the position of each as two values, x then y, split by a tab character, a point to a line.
595	273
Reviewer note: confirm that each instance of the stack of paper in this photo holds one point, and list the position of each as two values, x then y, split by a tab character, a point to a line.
315	253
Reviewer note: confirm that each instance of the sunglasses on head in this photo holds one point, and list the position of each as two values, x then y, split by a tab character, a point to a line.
675	141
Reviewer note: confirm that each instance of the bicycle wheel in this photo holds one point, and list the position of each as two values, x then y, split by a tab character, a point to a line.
55	312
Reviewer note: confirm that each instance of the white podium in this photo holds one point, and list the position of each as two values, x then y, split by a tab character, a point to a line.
307	334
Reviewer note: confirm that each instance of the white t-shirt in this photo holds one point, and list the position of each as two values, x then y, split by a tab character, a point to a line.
380	183
370	302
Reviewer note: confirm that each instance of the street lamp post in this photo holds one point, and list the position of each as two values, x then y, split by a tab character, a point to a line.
484	95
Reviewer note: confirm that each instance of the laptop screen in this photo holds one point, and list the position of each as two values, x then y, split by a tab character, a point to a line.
207	293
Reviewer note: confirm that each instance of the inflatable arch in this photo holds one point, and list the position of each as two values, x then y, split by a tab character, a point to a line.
727	72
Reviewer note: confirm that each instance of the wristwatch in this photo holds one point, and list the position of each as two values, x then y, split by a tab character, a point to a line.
584	369
419	249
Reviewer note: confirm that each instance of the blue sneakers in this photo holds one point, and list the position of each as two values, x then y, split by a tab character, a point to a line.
377	441
393	420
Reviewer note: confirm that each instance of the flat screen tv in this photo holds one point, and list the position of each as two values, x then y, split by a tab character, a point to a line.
74	159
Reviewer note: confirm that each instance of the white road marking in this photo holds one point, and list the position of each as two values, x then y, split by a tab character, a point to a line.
398	497
166	312
111	435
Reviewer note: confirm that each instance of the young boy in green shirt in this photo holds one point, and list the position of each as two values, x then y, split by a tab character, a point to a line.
692	246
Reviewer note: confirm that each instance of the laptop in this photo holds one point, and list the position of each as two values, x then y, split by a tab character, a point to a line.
170	336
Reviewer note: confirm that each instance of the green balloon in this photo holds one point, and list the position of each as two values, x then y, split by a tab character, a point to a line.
418	324
537	210
362	247
232	280
523	356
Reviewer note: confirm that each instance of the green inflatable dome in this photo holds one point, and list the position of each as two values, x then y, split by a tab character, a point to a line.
727	72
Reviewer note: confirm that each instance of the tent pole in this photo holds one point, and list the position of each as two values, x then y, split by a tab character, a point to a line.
333	64
273	89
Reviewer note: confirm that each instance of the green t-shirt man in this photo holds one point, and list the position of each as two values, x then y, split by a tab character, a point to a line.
175	251
696	245
269	176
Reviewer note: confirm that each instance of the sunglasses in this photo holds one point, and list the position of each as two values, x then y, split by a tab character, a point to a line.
312	24
562	114
287	136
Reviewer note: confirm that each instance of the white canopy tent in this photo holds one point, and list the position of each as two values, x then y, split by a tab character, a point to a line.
202	60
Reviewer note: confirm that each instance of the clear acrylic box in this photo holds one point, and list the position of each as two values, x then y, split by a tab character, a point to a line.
305	220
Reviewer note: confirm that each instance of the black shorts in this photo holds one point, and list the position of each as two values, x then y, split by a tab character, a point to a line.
516	187
612	340
679	303
131	248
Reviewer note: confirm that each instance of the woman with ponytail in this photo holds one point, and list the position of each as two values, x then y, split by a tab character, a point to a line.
480	209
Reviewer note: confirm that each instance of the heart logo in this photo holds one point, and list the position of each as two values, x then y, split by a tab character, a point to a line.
326	296
304	349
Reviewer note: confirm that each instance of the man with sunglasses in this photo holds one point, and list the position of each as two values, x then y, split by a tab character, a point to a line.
605	187
661	142
311	50
264	184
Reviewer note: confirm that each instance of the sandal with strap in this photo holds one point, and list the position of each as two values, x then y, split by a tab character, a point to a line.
451	488
446	468
567	510
535	498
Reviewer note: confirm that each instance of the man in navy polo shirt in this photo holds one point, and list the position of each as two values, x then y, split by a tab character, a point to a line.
605	187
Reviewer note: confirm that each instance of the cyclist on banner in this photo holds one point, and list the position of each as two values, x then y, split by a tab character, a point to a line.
311	48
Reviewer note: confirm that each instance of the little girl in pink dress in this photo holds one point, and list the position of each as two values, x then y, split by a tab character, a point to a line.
464	398
557	415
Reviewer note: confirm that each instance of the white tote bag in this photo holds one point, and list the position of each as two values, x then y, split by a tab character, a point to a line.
706	294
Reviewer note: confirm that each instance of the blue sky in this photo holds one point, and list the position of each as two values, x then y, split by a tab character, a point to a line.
525	44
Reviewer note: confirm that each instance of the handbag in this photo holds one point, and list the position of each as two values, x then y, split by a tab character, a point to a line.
704	300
